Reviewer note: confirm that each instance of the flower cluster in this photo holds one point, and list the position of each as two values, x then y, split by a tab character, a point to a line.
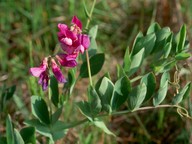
72	43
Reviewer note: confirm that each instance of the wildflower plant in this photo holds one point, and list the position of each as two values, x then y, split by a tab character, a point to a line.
134	89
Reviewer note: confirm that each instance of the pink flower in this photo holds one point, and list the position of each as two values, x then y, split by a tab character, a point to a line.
57	72
66	36
80	45
83	42
67	60
41	72
36	71
44	80
72	41
77	25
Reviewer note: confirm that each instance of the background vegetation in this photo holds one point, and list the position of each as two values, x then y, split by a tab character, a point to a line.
28	32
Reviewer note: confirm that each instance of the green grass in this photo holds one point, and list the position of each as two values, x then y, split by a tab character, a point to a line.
28	32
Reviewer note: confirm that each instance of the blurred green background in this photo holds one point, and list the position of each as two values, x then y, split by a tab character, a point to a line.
28	32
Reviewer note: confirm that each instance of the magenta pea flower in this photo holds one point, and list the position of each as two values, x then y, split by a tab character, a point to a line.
44	80
72	41
41	72
67	60
66	36
57	72
77	25
83	43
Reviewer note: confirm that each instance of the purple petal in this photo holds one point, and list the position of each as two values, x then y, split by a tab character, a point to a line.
71	56
67	60
36	71
77	22
57	72
67	41
62	27
80	48
84	40
43	80
70	35
67	49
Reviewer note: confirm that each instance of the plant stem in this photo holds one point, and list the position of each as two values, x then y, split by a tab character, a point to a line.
90	14
87	54
142	125
129	111
89	70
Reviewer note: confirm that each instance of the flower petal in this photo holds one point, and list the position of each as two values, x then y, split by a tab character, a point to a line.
67	41
43	80
77	22
57	72
67	60
80	48
36	71
62	27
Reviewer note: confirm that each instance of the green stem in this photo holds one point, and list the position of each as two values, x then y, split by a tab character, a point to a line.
129	111
87	54
89	69
76	123
136	78
90	14
142	125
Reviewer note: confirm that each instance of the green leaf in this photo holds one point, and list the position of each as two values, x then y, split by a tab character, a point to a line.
146	42
122	89
93	31
3	140
9	130
154	27
85	109
92	49
55	116
167	49
137	38
136	61
161	37
183	92
95	102
169	39
69	85
59	130
180	39
150	82
163	34
40	127
120	71
165	76
163	65
54	90
39	109
55	132
8	92
18	138
182	56
93	44
28	135
97	85
105	92
126	60
96	63
161	94
137	96
101	125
